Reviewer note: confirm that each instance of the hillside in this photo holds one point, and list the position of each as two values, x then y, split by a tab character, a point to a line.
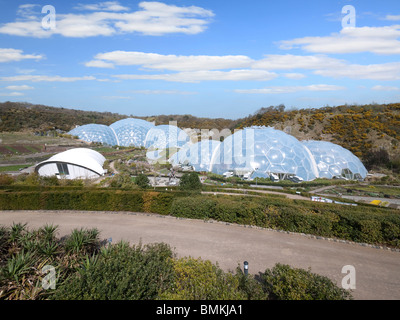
361	129
19	116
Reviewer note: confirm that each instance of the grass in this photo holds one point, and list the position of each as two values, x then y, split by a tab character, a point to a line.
14	167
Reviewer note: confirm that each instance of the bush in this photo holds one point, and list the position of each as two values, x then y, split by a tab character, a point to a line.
190	182
197	279
285	283
142	181
121	272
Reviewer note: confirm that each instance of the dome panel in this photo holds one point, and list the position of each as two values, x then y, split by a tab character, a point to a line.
197	155
264	150
166	136
131	132
95	133
332	159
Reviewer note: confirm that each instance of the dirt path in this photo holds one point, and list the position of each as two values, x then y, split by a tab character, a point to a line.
377	270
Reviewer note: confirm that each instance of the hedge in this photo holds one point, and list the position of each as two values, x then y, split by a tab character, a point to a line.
363	224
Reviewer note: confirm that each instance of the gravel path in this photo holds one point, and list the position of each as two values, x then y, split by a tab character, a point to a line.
377	270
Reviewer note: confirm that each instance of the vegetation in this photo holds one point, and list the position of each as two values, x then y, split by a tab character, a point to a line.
85	268
362	223
190	182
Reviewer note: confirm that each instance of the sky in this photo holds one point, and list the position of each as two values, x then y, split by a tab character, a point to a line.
207	58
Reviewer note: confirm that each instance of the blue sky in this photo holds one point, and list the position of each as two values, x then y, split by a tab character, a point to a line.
206	58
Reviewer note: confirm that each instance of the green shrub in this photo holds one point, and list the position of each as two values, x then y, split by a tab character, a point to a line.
285	283
197	279
190	182
193	207
142	181
121	272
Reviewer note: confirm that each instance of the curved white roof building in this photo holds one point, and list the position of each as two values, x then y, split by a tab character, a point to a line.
79	163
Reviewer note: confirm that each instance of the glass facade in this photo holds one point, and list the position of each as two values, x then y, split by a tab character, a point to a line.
197	155
166	136
264	151
335	161
131	132
95	133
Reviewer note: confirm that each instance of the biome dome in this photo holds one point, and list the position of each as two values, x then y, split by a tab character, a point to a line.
197	155
166	136
264	151
335	161
131	132
95	133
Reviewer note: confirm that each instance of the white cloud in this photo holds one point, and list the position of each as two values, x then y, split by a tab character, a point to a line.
153	18
379	40
205	75
169	62
116	97
18	88
294	76
290	61
385	88
12	94
40	78
102	6
173	92
9	55
386	71
290	89
392	17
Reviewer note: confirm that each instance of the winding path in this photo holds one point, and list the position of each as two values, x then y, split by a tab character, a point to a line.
377	270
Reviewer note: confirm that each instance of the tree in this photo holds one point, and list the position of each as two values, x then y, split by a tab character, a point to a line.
190	181
142	181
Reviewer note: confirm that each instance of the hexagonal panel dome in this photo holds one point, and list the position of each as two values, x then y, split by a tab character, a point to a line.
95	133
131	132
166	136
197	155
264	151
334	160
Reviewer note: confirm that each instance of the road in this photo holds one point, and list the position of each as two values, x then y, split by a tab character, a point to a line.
377	270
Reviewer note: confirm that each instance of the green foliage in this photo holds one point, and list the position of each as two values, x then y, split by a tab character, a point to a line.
285	283
6	180
121	272
197	279
190	182
142	181
88	269
362	223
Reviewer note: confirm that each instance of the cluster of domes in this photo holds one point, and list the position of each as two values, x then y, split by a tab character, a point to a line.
132	133
255	151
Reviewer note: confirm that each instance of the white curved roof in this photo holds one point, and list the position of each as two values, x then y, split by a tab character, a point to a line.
82	157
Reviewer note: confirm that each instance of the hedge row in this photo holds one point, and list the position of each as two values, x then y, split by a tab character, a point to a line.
359	224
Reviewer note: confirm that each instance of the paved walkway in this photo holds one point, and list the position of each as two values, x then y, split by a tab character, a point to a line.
377	271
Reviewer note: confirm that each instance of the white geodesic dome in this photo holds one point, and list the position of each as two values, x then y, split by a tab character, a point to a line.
166	136
335	161
131	132
264	151
95	133
198	155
